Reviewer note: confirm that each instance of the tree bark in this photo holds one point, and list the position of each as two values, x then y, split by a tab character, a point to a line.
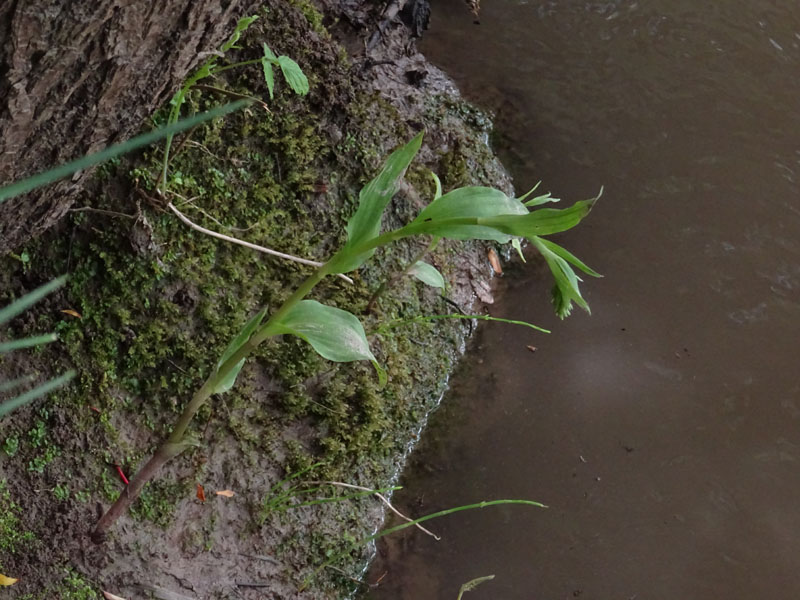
78	76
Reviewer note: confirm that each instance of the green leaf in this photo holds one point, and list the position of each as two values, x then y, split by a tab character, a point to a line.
543	199
365	224
334	333
243	24
269	76
28	342
569	257
540	222
293	75
437	182
445	216
472	584
22	304
529	192
35	393
566	289
226	383
427	274
26	185
517	245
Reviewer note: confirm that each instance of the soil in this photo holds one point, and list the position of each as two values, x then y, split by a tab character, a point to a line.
158	303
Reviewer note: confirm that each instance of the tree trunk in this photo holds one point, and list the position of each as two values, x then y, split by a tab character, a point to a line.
78	76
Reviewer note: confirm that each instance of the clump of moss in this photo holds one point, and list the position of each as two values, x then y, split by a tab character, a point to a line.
13	534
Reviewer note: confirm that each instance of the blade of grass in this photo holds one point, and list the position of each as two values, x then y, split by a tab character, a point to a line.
27	342
31	183
426	318
402	526
28	300
35	393
10	385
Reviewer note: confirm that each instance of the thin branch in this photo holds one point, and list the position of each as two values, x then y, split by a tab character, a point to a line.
233	240
236	95
380	497
190	202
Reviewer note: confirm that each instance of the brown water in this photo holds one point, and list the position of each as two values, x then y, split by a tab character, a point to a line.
664	430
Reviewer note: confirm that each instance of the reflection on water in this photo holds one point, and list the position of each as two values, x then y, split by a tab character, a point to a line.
664	430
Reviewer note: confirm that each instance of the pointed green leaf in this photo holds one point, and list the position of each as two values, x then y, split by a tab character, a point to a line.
530	191
445	216
293	75
31	183
22	304
28	342
334	333
241	25
365	224
569	257
427	274
543	199
269	54
226	383
437	182
517	245
269	76
566	289
37	392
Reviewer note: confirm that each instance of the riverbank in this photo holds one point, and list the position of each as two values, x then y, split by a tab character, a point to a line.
155	304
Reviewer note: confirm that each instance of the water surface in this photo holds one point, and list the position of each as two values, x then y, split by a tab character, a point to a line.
664	430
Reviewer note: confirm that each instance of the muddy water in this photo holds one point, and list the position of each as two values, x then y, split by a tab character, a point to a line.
664	430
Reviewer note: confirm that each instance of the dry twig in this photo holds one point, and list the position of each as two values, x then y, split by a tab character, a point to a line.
234	240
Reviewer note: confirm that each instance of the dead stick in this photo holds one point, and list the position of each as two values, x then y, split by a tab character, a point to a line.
234	240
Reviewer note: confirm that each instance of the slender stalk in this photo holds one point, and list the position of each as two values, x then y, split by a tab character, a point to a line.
218	70
177	442
413	523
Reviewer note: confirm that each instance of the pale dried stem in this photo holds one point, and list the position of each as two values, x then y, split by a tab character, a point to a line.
234	240
380	497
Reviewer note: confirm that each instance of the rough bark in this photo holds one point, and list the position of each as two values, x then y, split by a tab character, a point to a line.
78	76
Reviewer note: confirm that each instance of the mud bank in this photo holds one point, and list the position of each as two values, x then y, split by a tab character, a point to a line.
159	302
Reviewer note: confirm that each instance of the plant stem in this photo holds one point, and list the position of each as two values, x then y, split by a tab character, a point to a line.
176	442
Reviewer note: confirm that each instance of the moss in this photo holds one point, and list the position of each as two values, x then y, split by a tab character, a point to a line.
13	534
72	586
157	501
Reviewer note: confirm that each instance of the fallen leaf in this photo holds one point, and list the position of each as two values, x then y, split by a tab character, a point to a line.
201	493
72	313
531	348
226	493
112	596
7	580
494	260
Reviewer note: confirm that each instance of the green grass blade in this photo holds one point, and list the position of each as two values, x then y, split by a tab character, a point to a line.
426	318
569	257
31	183
7	386
28	300
35	393
472	584
28	342
402	526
